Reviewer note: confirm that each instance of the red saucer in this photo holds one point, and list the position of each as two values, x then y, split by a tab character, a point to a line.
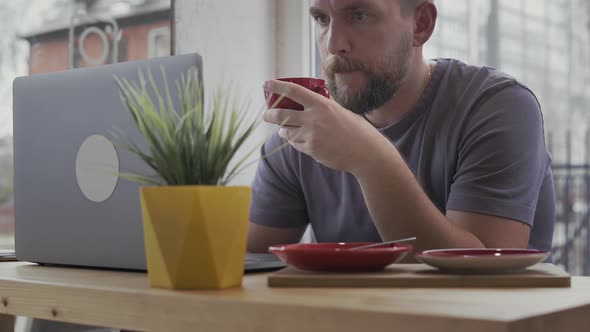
497	260
337	257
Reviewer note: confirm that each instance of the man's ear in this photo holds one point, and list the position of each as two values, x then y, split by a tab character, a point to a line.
425	21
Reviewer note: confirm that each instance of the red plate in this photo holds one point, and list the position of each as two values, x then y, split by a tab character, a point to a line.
337	257
498	260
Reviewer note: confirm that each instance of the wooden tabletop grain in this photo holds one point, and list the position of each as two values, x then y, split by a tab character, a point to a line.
124	300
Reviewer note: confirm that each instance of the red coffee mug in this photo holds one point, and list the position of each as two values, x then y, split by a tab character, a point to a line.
314	84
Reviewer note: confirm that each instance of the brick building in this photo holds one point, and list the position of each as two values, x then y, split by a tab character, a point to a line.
93	32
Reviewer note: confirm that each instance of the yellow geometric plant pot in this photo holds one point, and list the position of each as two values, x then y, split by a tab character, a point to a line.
195	236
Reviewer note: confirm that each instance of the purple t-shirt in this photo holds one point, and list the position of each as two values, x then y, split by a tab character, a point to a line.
474	141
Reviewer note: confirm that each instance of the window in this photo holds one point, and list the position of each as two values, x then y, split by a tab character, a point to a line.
159	42
52	35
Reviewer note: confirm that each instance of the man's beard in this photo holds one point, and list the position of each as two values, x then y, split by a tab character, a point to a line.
383	80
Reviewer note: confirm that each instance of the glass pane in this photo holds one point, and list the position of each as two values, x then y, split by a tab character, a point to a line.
510	24
535	8
52	35
510	5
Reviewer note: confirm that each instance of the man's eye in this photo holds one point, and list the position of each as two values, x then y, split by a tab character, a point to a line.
322	19
359	16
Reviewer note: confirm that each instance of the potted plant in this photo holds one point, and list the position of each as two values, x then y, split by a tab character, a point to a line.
195	226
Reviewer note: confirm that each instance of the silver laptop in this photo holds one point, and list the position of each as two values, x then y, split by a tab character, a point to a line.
63	216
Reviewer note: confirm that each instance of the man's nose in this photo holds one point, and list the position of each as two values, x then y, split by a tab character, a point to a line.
337	41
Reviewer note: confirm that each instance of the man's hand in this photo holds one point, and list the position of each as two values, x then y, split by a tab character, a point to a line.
324	130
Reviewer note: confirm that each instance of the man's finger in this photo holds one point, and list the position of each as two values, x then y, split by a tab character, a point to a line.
291	134
283	117
292	91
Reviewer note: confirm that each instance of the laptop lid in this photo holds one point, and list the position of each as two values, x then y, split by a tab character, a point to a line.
67	213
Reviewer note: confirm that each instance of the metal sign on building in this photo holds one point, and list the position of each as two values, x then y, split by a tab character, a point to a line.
106	30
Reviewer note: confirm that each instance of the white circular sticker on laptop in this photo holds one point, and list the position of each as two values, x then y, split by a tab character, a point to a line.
97	168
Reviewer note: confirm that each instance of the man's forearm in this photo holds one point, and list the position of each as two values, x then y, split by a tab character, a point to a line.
400	207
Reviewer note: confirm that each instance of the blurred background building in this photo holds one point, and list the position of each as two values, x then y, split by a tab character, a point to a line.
92	32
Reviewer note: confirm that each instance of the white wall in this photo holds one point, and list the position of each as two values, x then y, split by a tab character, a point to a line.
235	38
247	42
295	53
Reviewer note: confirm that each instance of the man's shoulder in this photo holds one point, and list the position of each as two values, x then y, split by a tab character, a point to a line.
464	74
470	84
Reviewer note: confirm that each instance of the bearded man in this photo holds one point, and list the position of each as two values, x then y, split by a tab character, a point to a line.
450	153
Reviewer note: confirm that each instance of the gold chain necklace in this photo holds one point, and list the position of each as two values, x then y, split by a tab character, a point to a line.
426	81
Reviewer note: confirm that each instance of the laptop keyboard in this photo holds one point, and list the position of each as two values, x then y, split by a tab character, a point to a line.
258	257
262	262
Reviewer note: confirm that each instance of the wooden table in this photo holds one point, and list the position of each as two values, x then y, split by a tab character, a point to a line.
123	300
